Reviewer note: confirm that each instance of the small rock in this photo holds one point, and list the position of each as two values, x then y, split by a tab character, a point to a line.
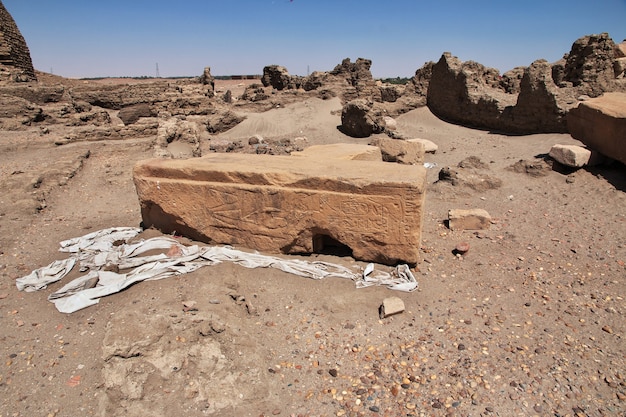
474	219
255	140
390	123
462	248
390	306
570	155
333	372
429	147
607	329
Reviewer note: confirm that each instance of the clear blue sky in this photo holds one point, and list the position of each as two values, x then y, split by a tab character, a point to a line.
92	38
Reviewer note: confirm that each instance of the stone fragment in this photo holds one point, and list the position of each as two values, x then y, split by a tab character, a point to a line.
343	151
390	306
307	204
600	123
400	151
390	123
570	155
255	140
131	114
359	120
429	146
619	67
473	219
620	50
462	248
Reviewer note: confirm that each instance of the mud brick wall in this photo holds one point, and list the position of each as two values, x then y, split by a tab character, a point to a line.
13	49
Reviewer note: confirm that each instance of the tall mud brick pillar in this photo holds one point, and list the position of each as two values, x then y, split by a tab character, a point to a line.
15	61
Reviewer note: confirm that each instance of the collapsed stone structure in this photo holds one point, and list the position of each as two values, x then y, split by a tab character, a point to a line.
15	61
535	99
370	210
530	99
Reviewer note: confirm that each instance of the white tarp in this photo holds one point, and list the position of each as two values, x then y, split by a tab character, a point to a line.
99	252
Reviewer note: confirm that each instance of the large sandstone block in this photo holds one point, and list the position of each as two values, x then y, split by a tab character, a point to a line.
570	155
344	151
600	123
305	204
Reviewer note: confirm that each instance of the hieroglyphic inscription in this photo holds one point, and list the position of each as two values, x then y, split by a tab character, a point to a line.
379	223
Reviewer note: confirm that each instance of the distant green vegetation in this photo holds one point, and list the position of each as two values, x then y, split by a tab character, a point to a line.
396	80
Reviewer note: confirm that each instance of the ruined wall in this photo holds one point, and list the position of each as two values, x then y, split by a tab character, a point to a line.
14	52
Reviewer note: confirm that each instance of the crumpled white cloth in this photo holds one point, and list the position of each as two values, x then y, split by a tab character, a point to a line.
107	249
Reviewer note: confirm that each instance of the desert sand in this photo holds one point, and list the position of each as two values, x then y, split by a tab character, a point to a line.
530	321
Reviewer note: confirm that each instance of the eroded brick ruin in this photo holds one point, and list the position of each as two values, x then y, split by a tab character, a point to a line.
14	53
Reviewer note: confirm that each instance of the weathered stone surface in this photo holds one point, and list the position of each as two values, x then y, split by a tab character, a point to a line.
429	146
177	138
600	123
357	74
620	50
619	67
342	151
276	76
15	112
534	99
359	121
390	93
38	94
131	114
223	121
570	155
390	123
474	219
400	151
538	108
590	64
286	204
467	92
391	306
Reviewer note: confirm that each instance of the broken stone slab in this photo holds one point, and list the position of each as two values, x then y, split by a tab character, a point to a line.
600	123
473	219
570	155
400	151
391	306
429	146
343	151
370	210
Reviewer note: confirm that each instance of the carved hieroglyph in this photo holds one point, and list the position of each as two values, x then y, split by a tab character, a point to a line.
304	204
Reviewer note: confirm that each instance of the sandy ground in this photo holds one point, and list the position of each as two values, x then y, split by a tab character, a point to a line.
529	322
